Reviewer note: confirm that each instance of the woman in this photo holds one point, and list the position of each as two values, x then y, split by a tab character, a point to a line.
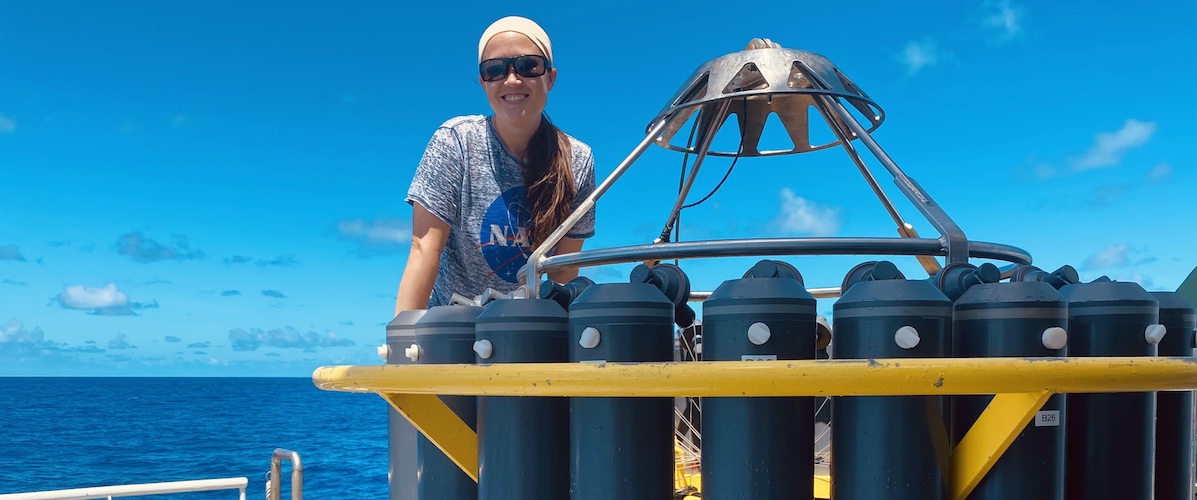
490	188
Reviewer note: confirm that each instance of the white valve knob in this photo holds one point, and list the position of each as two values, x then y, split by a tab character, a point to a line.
590	338
1054	338
758	333
384	351
484	348
461	300
907	337
1155	333
412	352
490	295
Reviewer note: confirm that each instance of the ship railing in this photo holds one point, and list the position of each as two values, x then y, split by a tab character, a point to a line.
273	480
132	490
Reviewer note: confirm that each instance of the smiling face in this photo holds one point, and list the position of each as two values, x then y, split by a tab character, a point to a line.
516	99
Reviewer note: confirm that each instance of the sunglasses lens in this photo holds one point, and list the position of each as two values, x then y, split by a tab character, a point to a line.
493	69
529	66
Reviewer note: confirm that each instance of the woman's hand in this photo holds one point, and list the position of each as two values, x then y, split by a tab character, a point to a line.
566	245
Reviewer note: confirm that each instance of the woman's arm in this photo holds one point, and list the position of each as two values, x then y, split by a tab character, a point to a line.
584	227
428	237
566	245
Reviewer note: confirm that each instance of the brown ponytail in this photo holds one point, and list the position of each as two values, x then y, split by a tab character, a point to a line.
549	179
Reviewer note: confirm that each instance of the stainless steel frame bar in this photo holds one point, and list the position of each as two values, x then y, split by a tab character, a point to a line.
954	239
829	292
537	259
776	246
710	118
846	142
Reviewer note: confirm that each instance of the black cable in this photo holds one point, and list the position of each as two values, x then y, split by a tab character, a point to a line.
672	225
681	183
739	150
717	186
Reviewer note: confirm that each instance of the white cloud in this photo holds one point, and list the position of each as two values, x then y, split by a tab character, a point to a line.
918	55
21	344
1145	281
119	343
86	297
1109	147
799	215
14	331
1111	256
380	232
7	124
103	301
280	261
380	237
145	250
1160	172
284	338
1006	19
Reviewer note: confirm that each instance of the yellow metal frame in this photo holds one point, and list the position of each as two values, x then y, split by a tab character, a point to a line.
429	415
990	437
1020	385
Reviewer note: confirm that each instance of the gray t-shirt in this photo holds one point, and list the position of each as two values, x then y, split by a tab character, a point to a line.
468	179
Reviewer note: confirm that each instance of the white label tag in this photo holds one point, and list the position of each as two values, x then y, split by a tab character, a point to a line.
1047	418
592	361
758	357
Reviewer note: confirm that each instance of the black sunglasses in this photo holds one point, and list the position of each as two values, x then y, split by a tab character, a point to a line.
527	66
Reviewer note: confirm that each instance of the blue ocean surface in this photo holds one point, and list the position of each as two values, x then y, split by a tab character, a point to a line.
59	433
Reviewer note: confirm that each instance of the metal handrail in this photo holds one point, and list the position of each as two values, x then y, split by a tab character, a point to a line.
778	246
272	488
829	292
130	490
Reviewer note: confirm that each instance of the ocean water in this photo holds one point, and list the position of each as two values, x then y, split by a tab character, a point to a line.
59	433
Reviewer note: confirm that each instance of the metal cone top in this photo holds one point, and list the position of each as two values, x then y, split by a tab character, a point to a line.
765	81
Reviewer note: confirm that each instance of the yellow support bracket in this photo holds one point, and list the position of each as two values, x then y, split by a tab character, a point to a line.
1005	417
429	415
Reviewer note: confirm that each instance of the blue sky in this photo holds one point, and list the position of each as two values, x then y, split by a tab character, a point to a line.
216	188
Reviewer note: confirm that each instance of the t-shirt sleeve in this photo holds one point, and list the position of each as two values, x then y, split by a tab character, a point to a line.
437	183
584	177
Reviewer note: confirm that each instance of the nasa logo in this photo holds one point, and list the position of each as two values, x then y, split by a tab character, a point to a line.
504	238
